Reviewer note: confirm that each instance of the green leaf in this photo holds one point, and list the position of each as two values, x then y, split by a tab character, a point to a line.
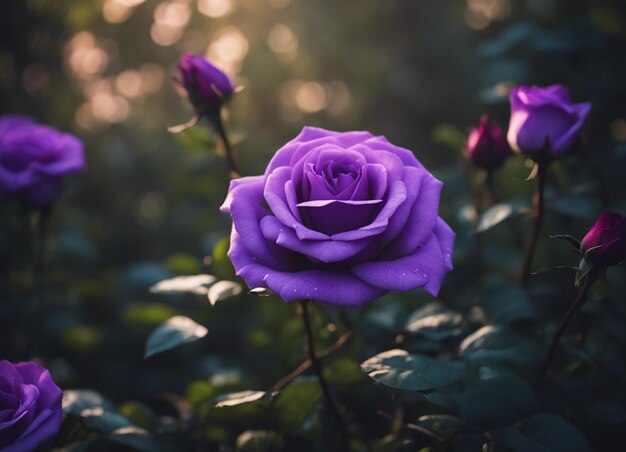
435	322
343	370
508	304
497	402
496	215
176	331
443	425
223	290
542	433
139	414
76	401
104	421
135	437
221	265
239	398
259	441
294	404
401	370
576	206
196	284
499	344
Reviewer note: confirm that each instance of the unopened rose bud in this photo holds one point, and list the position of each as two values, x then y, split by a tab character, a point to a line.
206	86
486	145
545	120
605	243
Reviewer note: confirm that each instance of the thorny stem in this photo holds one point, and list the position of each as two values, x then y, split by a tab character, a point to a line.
216	120
317	366
569	315
538	201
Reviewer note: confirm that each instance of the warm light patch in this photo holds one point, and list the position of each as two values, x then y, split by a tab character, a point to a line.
216	8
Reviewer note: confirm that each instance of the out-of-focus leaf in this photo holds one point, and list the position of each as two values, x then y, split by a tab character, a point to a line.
221	265
435	322
401	370
82	338
498	214
185	264
497	402
176	331
139	414
342	370
449	136
259	441
196	284
239	398
147	315
499	344
261	292
443	425
75	401
448	398
508	304
295	403
576	206
102	420
135	437
223	290
542	433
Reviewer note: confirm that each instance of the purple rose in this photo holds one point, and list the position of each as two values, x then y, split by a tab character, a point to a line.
205	84
540	115
486	145
30	406
33	159
340	218
605	243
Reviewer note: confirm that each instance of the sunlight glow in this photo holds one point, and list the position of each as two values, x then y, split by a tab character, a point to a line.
283	41
216	8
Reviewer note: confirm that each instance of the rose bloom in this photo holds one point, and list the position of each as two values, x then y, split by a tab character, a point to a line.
34	158
605	243
339	218
205	84
486	145
540	115
30	406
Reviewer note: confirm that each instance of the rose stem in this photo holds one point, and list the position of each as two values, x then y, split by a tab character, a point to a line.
39	275
317	365
538	199
216	119
569	315
491	192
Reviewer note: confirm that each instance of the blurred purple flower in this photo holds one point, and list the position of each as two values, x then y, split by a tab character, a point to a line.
486	146
205	84
30	406
33	159
605	243
339	218
540	115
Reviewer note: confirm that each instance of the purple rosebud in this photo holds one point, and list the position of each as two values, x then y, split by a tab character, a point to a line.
206	86
30	406
605	243
34	158
545	115
339	218
486	145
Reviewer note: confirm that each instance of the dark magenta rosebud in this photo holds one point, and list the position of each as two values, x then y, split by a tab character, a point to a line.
486	145
205	84
605	243
34	158
545	115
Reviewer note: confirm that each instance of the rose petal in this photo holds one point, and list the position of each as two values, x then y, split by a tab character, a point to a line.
324	251
420	222
424	268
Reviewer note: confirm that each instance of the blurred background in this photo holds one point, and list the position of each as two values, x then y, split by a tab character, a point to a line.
419	72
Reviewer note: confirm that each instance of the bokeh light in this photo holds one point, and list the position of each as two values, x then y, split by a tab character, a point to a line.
216	8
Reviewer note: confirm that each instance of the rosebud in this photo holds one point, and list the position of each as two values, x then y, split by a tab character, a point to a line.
605	243
486	145
206	86
545	116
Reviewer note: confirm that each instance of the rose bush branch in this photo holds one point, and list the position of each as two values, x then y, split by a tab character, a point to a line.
317	366
537	220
